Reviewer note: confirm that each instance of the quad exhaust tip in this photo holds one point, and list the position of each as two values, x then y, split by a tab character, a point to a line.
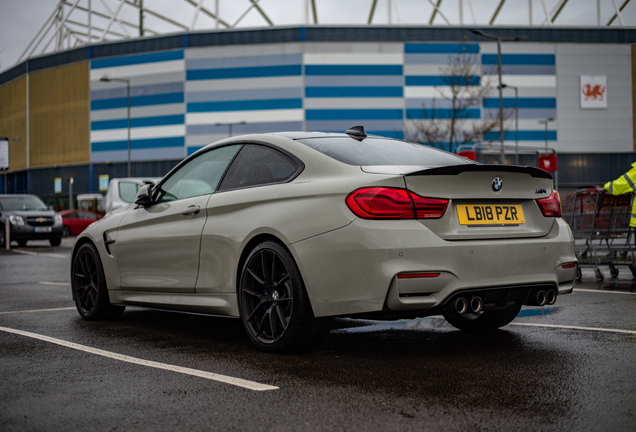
541	298
551	297
461	305
476	304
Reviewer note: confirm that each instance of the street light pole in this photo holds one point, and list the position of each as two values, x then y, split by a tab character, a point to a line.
127	81
498	39
545	122
516	89
229	125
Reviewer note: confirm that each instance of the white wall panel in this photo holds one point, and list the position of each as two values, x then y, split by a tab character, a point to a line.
594	130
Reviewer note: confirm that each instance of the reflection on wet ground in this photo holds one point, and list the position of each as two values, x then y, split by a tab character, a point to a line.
436	322
624	282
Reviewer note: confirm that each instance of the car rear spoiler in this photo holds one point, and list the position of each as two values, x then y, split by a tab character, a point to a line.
458	169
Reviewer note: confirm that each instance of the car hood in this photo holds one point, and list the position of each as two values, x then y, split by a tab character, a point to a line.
30	213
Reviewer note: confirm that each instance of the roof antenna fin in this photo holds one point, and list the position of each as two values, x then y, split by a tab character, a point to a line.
357	133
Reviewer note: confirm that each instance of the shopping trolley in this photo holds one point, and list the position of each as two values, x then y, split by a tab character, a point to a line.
600	225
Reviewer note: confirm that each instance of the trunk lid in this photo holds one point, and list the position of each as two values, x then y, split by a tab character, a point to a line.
477	210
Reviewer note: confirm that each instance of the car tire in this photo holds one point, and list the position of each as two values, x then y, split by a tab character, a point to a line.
22	243
55	241
483	321
2	236
89	286
274	304
66	231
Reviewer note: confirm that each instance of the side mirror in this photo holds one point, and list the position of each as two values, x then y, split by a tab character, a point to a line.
144	196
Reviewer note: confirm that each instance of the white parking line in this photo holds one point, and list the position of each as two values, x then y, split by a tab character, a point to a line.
37	310
55	283
250	385
574	327
39	253
604	291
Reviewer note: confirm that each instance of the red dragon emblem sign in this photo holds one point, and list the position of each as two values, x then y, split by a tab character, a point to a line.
594	93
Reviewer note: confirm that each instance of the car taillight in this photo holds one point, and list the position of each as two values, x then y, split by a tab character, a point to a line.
550	206
394	203
429	208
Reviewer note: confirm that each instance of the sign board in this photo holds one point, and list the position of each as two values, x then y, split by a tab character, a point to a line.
103	182
593	92
58	185
4	153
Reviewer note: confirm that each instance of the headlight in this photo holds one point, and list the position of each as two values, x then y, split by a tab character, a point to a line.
57	220
16	220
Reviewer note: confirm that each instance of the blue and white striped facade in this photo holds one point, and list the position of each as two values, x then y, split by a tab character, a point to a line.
157	107
184	99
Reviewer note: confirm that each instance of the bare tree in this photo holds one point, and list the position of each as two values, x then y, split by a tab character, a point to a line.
444	124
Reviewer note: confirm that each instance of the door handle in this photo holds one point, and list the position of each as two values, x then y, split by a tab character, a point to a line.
191	211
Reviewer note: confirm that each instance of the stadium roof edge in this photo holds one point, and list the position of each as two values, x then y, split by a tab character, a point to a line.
320	33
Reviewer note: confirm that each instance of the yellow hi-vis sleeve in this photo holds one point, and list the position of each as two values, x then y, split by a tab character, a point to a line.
624	184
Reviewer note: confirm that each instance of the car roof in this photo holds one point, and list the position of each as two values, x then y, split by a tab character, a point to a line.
296	135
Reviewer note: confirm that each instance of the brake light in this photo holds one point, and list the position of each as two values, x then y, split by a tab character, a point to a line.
550	206
569	265
429	208
394	203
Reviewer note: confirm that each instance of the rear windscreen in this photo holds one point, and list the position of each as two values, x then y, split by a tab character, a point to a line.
378	151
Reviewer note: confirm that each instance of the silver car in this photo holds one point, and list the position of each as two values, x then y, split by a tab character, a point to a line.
288	230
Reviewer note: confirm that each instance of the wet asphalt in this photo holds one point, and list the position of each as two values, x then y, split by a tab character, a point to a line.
415	375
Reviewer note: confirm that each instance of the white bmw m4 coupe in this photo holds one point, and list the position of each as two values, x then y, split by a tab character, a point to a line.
288	230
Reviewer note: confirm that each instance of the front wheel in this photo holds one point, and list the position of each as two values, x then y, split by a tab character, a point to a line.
89	286
482	321
66	231
274	305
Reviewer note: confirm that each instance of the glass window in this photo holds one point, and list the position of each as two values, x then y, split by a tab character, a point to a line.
200	176
22	203
128	191
258	165
378	151
84	215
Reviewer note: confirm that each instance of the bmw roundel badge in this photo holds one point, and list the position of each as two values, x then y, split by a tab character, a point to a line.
497	183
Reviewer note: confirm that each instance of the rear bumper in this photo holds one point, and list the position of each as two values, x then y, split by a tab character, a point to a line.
354	269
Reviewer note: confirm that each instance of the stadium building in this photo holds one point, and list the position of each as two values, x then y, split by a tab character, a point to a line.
66	113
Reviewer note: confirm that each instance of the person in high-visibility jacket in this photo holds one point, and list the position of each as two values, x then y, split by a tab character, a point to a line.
622	185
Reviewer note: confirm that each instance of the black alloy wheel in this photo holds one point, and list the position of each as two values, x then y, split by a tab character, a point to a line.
66	231
89	286
275	309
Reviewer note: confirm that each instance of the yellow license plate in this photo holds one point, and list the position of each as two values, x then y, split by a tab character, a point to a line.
490	214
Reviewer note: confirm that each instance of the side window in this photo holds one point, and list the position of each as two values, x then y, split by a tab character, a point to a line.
200	176
258	165
128	191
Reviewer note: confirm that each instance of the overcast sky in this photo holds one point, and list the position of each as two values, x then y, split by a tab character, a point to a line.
20	20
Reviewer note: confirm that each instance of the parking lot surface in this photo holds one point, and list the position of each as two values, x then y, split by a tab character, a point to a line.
571	366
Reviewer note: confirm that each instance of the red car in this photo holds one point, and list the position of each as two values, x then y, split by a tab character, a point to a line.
76	221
